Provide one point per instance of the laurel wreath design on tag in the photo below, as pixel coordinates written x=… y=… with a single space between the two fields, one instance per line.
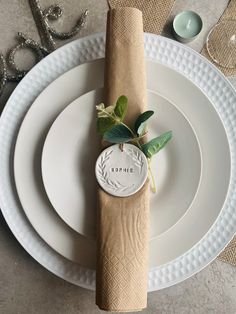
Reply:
x=137 y=158
x=103 y=176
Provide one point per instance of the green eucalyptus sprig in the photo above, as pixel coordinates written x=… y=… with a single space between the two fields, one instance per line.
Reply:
x=110 y=124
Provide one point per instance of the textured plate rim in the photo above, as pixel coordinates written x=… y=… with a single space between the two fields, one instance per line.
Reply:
x=165 y=51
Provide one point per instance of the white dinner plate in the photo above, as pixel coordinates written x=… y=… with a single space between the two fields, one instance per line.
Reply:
x=171 y=54
x=73 y=145
x=180 y=233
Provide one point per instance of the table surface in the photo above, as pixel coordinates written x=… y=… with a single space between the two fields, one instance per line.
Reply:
x=25 y=286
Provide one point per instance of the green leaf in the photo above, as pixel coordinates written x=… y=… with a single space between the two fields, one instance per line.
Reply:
x=118 y=134
x=141 y=122
x=104 y=124
x=156 y=144
x=121 y=107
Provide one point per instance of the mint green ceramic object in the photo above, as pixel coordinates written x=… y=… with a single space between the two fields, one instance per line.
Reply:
x=186 y=26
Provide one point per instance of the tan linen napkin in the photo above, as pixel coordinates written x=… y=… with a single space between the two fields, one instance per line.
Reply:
x=123 y=223
x=155 y=13
x=229 y=253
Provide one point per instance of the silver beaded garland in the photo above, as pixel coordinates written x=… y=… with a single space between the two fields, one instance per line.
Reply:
x=47 y=34
x=3 y=73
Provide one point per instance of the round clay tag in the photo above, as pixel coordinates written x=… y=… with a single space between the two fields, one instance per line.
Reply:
x=121 y=172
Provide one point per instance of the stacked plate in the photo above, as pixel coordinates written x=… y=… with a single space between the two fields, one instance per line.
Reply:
x=49 y=145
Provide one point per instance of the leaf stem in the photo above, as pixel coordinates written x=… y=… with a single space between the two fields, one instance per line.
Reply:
x=131 y=131
x=153 y=183
x=138 y=143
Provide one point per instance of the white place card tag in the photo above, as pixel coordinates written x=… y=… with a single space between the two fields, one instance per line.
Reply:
x=121 y=172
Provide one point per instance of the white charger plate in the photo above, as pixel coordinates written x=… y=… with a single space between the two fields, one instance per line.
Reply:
x=172 y=54
x=72 y=147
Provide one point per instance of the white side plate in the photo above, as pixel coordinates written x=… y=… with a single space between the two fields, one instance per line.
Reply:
x=72 y=147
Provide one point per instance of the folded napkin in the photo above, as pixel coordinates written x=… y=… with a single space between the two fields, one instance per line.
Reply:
x=155 y=12
x=123 y=223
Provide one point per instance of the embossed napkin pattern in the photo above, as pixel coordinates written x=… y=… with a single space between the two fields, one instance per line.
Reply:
x=123 y=223
x=155 y=13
